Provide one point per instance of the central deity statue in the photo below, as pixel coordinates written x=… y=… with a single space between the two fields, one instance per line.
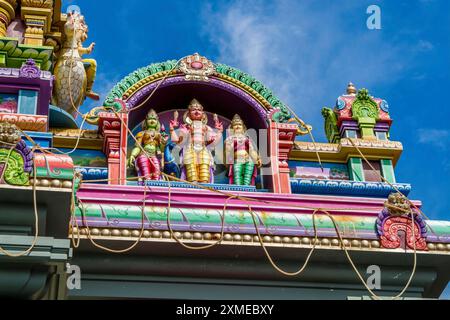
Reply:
x=195 y=136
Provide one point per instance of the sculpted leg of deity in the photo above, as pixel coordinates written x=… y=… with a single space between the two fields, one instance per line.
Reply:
x=204 y=166
x=190 y=164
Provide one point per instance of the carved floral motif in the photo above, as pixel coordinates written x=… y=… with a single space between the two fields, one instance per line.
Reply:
x=16 y=159
x=30 y=70
x=397 y=229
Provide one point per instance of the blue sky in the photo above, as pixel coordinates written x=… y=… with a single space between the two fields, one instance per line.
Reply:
x=306 y=52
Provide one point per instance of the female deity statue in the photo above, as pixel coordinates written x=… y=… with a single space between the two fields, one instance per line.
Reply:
x=196 y=136
x=241 y=154
x=148 y=163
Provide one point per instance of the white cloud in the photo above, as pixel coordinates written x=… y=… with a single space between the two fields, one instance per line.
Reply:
x=305 y=54
x=424 y=46
x=435 y=137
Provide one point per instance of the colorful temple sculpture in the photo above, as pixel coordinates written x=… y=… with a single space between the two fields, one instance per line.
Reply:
x=192 y=178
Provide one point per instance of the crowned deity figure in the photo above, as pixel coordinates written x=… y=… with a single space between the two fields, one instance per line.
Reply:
x=194 y=136
x=241 y=155
x=146 y=156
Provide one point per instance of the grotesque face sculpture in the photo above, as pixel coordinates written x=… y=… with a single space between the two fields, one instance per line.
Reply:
x=196 y=112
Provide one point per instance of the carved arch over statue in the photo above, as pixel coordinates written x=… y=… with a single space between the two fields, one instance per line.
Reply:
x=221 y=89
x=198 y=72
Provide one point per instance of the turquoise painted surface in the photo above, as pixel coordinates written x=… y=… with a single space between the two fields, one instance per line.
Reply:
x=28 y=100
x=354 y=225
x=111 y=212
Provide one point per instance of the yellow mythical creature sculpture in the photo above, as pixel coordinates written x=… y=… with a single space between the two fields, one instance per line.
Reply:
x=74 y=76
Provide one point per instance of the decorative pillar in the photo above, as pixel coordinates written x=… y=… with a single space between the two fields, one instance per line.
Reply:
x=281 y=142
x=7 y=13
x=387 y=169
x=367 y=125
x=37 y=16
x=356 y=169
x=114 y=130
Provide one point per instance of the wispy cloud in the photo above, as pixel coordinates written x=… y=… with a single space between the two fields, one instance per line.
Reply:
x=424 y=46
x=435 y=137
x=305 y=54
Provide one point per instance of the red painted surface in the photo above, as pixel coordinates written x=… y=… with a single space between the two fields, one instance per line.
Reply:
x=281 y=140
x=392 y=239
x=114 y=129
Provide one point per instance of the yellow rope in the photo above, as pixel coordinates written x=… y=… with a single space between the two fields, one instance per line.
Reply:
x=169 y=225
x=390 y=184
x=141 y=235
x=356 y=269
x=238 y=197
x=158 y=86
x=6 y=162
x=36 y=219
x=315 y=232
x=268 y=255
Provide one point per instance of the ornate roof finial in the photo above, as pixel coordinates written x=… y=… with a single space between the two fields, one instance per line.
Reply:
x=351 y=89
x=197 y=67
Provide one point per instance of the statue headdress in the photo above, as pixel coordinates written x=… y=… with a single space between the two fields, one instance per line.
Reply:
x=237 y=120
x=152 y=115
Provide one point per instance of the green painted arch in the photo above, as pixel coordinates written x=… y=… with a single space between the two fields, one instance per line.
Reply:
x=281 y=111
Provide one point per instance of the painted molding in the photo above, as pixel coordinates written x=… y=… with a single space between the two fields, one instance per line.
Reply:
x=328 y=152
x=347 y=188
x=26 y=122
x=92 y=173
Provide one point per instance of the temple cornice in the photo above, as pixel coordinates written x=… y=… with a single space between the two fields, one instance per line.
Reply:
x=343 y=151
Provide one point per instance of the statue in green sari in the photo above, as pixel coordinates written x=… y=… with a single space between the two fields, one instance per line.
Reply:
x=241 y=155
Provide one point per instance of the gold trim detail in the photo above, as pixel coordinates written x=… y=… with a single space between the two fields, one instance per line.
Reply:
x=241 y=239
x=373 y=149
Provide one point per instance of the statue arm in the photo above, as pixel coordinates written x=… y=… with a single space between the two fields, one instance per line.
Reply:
x=229 y=151
x=254 y=154
x=213 y=138
x=161 y=144
x=178 y=139
x=82 y=51
x=136 y=150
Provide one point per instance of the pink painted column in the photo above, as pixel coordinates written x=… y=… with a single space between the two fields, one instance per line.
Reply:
x=281 y=142
x=114 y=130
